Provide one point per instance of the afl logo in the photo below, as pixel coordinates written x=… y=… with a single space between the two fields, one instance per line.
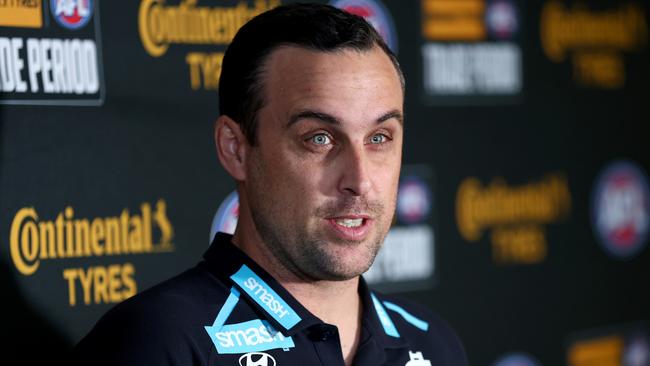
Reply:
x=225 y=220
x=621 y=209
x=72 y=14
x=413 y=200
x=516 y=359
x=637 y=351
x=502 y=19
x=256 y=359
x=376 y=14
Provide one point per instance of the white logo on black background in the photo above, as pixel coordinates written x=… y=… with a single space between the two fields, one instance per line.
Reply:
x=417 y=359
x=257 y=359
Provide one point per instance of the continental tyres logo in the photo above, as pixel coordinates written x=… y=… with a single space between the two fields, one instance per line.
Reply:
x=563 y=29
x=480 y=207
x=34 y=240
x=594 y=39
x=161 y=25
x=515 y=214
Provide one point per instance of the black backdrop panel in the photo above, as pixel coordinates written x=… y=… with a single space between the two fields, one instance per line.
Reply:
x=536 y=193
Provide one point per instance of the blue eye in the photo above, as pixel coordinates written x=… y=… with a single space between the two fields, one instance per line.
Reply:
x=378 y=139
x=321 y=139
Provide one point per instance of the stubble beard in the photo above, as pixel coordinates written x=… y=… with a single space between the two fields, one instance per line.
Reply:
x=308 y=253
x=308 y=256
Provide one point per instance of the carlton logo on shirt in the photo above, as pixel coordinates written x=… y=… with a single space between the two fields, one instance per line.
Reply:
x=256 y=359
x=416 y=359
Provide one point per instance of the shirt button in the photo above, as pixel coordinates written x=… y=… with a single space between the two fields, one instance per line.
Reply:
x=322 y=333
x=325 y=335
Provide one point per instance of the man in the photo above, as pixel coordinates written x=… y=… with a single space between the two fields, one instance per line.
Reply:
x=311 y=129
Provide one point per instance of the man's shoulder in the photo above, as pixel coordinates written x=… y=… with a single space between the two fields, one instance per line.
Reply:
x=422 y=327
x=169 y=317
x=181 y=298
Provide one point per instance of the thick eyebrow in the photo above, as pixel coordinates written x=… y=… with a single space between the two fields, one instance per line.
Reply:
x=324 y=117
x=392 y=114
x=328 y=118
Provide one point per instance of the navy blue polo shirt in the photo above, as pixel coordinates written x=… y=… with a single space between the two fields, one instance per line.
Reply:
x=229 y=311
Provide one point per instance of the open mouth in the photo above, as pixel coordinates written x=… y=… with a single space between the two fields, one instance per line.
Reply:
x=349 y=223
x=350 y=227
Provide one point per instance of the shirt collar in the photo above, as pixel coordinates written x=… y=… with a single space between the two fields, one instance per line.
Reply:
x=371 y=319
x=231 y=265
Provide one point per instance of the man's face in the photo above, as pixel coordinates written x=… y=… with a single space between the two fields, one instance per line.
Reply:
x=322 y=181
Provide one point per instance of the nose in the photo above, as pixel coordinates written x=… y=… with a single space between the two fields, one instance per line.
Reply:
x=355 y=175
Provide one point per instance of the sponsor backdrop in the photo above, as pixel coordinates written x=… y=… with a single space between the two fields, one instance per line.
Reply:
x=524 y=206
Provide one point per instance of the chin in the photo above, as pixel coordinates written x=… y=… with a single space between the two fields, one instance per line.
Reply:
x=337 y=270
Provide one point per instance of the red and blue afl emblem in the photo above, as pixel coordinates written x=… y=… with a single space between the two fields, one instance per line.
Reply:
x=227 y=216
x=516 y=359
x=376 y=14
x=413 y=200
x=502 y=19
x=72 y=14
x=621 y=209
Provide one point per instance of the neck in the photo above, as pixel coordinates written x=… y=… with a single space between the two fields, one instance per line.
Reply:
x=337 y=303
x=334 y=302
x=323 y=298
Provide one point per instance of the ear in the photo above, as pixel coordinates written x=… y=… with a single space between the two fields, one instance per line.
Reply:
x=232 y=147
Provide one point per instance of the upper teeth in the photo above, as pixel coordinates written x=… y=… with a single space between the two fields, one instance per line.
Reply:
x=350 y=222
